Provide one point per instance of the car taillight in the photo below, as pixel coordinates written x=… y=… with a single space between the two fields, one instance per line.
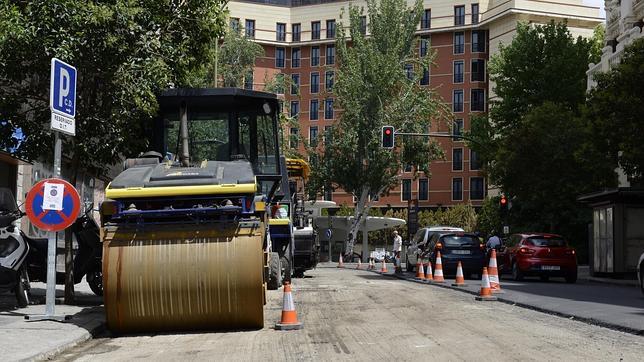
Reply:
x=439 y=245
x=526 y=251
x=482 y=246
x=570 y=252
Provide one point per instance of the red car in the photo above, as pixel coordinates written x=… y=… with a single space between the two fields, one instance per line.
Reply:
x=538 y=254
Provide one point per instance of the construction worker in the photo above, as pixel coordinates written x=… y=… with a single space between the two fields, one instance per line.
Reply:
x=397 y=249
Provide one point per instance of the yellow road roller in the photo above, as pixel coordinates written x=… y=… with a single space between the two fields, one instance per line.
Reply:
x=184 y=226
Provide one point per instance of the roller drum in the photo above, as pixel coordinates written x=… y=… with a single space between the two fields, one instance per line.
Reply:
x=183 y=277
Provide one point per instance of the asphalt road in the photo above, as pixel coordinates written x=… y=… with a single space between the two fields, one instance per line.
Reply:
x=616 y=306
x=359 y=316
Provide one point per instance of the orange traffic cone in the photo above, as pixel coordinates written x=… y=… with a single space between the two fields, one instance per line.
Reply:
x=429 y=275
x=485 y=293
x=289 y=315
x=438 y=272
x=420 y=271
x=495 y=283
x=460 y=279
x=384 y=266
x=359 y=266
x=340 y=262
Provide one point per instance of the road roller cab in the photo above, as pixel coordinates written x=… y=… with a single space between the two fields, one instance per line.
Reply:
x=185 y=227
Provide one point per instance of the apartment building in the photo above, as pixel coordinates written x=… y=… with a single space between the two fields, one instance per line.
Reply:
x=298 y=37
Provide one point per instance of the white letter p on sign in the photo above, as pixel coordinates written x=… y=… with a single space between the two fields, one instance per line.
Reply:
x=64 y=86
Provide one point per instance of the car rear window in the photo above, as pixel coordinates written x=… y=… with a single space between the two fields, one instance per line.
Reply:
x=548 y=241
x=454 y=240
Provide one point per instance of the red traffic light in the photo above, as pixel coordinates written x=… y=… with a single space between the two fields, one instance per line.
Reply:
x=388 y=137
x=504 y=200
x=387 y=131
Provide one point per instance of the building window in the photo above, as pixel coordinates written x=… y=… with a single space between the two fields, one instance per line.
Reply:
x=234 y=24
x=315 y=82
x=425 y=79
x=478 y=41
x=248 y=81
x=330 y=29
x=250 y=28
x=475 y=13
x=457 y=159
x=280 y=32
x=294 y=139
x=296 y=30
x=328 y=135
x=328 y=193
x=315 y=56
x=478 y=70
x=295 y=108
x=279 y=57
x=477 y=100
x=458 y=71
x=409 y=71
x=459 y=15
x=424 y=46
x=330 y=54
x=328 y=80
x=457 y=101
x=328 y=108
x=457 y=189
x=459 y=42
x=406 y=189
x=295 y=83
x=426 y=20
x=477 y=189
x=457 y=129
x=313 y=136
x=313 y=110
x=363 y=25
x=423 y=189
x=295 y=57
x=315 y=30
x=475 y=162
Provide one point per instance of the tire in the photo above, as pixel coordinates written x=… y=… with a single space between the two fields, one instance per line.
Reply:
x=544 y=278
x=410 y=267
x=572 y=278
x=95 y=280
x=23 y=294
x=516 y=272
x=274 y=271
x=285 y=264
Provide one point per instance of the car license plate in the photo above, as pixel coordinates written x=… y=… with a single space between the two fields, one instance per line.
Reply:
x=462 y=252
x=550 y=267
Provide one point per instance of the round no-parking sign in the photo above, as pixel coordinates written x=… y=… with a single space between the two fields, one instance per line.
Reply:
x=52 y=204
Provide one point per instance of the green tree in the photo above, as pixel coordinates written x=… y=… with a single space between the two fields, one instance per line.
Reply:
x=374 y=89
x=615 y=110
x=236 y=58
x=126 y=52
x=533 y=140
x=597 y=43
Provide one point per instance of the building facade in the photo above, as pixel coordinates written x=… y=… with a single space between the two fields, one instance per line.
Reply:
x=298 y=37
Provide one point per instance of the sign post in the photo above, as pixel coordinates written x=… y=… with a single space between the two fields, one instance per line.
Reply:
x=53 y=204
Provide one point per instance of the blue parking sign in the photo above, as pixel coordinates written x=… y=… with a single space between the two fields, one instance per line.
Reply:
x=62 y=95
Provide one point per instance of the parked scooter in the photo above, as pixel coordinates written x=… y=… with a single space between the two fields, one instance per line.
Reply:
x=87 y=258
x=14 y=248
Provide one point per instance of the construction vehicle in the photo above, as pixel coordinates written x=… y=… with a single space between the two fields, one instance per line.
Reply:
x=307 y=245
x=185 y=228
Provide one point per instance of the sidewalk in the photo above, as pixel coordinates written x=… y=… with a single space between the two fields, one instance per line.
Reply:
x=25 y=340
x=584 y=274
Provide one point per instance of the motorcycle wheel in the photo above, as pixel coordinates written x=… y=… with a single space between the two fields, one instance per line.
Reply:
x=95 y=281
x=23 y=294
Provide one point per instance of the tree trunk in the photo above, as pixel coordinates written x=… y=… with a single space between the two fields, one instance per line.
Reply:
x=357 y=219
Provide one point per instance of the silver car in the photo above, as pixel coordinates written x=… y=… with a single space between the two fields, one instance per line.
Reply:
x=418 y=244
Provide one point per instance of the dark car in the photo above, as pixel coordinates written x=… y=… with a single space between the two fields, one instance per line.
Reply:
x=538 y=254
x=457 y=246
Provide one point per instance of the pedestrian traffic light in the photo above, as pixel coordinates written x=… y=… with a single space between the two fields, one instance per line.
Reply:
x=503 y=203
x=388 y=137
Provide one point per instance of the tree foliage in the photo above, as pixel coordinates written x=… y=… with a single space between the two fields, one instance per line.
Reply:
x=373 y=89
x=236 y=58
x=125 y=51
x=534 y=140
x=615 y=112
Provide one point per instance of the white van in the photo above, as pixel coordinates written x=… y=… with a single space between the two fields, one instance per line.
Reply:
x=418 y=244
